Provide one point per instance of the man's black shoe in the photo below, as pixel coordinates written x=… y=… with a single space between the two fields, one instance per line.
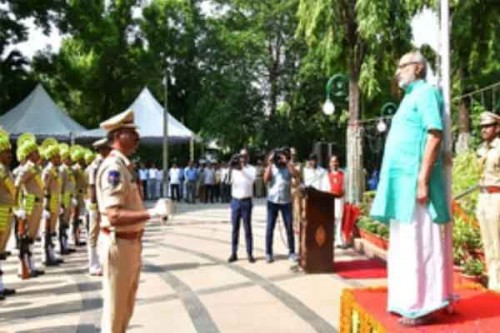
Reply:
x=251 y=259
x=8 y=292
x=3 y=256
x=39 y=272
x=232 y=258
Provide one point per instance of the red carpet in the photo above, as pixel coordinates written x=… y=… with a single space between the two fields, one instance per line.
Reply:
x=476 y=311
x=361 y=269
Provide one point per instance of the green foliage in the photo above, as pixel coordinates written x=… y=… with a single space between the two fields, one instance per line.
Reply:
x=466 y=172
x=473 y=267
x=375 y=227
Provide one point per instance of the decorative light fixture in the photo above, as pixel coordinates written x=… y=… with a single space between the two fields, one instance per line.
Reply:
x=381 y=126
x=328 y=107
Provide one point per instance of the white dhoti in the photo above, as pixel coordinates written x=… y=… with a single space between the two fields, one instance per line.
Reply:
x=339 y=214
x=417 y=274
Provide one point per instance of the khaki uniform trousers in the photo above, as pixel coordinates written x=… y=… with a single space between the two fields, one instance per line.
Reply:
x=5 y=234
x=488 y=215
x=34 y=220
x=297 y=204
x=94 y=226
x=121 y=269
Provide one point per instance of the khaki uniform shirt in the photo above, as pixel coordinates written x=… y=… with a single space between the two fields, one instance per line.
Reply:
x=68 y=184
x=52 y=186
x=91 y=170
x=490 y=159
x=29 y=180
x=80 y=179
x=116 y=186
x=7 y=187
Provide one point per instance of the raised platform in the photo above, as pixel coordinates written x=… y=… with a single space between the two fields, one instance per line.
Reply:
x=368 y=249
x=364 y=310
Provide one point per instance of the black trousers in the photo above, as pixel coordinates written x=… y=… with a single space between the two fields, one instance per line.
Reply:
x=175 y=192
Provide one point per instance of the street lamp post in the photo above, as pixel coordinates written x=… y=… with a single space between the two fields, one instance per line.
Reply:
x=165 y=134
x=337 y=91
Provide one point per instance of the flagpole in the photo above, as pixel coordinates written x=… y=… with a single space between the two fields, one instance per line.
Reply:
x=445 y=86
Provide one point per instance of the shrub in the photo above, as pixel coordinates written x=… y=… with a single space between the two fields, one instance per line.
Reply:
x=473 y=267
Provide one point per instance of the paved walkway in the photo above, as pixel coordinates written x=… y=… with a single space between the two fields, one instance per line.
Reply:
x=187 y=285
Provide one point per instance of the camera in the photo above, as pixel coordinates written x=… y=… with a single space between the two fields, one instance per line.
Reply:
x=281 y=156
x=235 y=161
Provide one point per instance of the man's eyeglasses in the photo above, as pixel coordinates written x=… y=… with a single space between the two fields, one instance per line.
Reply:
x=406 y=64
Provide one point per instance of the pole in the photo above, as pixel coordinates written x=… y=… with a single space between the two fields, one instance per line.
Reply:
x=191 y=149
x=165 y=136
x=445 y=85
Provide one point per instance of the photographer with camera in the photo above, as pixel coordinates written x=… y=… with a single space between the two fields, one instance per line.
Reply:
x=241 y=178
x=278 y=176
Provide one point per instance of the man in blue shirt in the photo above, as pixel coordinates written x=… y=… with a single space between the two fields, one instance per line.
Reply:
x=191 y=176
x=278 y=176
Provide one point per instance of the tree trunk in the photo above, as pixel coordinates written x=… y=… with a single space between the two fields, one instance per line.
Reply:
x=355 y=177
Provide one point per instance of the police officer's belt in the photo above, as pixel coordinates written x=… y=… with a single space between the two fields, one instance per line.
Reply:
x=490 y=189
x=130 y=235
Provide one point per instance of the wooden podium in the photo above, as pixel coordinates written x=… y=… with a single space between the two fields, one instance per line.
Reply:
x=316 y=232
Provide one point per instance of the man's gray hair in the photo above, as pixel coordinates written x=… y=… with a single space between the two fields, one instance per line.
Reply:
x=419 y=58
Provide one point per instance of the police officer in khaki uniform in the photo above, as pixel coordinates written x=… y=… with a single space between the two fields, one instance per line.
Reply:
x=30 y=185
x=7 y=200
x=94 y=219
x=488 y=205
x=52 y=203
x=68 y=187
x=78 y=157
x=297 y=197
x=122 y=223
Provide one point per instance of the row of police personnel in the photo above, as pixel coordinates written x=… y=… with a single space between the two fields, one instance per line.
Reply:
x=51 y=185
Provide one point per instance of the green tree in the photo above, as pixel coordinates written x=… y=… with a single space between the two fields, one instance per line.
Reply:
x=366 y=37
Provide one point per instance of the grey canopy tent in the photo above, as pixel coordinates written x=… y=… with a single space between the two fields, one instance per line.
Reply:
x=149 y=117
x=40 y=115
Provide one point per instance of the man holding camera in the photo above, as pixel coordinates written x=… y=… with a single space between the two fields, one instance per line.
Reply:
x=241 y=178
x=278 y=176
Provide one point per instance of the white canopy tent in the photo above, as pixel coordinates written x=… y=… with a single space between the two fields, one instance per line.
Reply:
x=40 y=115
x=149 y=117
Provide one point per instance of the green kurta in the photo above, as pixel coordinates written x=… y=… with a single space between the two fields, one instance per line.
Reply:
x=420 y=111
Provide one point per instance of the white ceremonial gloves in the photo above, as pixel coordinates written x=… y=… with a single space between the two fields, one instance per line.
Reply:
x=20 y=214
x=46 y=214
x=162 y=209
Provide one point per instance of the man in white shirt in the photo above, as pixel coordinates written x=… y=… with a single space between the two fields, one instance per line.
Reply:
x=242 y=177
x=159 y=183
x=315 y=176
x=209 y=182
x=143 y=177
x=175 y=181
x=152 y=182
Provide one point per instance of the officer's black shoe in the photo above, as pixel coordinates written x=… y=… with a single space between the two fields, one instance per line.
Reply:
x=232 y=258
x=71 y=250
x=3 y=256
x=2 y=297
x=251 y=259
x=59 y=260
x=51 y=263
x=39 y=272
x=7 y=253
x=8 y=292
x=65 y=252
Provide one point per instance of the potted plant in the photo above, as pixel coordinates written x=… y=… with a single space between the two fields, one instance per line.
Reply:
x=472 y=271
x=374 y=232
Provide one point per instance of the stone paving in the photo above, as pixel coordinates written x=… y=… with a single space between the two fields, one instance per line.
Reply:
x=187 y=285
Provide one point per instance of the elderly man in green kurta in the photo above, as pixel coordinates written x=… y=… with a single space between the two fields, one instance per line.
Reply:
x=412 y=198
